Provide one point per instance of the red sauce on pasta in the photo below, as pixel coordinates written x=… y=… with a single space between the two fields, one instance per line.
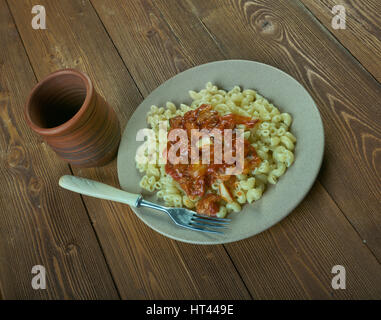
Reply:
x=196 y=178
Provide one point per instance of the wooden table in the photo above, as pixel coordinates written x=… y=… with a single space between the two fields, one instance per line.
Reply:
x=95 y=249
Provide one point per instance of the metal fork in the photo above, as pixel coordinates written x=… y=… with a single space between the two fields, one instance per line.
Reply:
x=180 y=216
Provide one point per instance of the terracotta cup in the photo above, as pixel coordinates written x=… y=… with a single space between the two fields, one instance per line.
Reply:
x=74 y=120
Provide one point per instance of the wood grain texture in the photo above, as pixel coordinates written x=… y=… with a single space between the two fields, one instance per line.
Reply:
x=184 y=32
x=143 y=263
x=39 y=224
x=288 y=39
x=362 y=36
x=148 y=48
x=156 y=40
x=294 y=259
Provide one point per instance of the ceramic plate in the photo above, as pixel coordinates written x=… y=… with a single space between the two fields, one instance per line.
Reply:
x=278 y=200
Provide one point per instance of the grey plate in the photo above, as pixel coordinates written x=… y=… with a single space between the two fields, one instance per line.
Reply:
x=278 y=200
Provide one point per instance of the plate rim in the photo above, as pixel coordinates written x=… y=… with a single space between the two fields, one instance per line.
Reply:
x=243 y=236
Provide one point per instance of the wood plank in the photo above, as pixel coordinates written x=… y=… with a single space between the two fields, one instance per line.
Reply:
x=39 y=225
x=179 y=28
x=212 y=16
x=154 y=43
x=294 y=259
x=362 y=36
x=288 y=39
x=144 y=264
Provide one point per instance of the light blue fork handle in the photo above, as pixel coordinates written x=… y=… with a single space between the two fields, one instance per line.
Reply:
x=98 y=190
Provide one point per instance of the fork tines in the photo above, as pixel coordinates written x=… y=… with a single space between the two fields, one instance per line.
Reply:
x=208 y=224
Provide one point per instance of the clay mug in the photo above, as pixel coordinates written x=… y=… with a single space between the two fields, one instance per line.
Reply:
x=74 y=120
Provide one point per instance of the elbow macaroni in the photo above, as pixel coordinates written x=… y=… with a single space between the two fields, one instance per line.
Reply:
x=272 y=140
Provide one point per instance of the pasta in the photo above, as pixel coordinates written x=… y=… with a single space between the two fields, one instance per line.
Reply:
x=271 y=137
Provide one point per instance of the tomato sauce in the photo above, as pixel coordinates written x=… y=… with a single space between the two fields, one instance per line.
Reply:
x=196 y=178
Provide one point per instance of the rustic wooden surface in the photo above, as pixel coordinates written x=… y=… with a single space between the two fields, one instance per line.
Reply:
x=95 y=249
x=363 y=37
